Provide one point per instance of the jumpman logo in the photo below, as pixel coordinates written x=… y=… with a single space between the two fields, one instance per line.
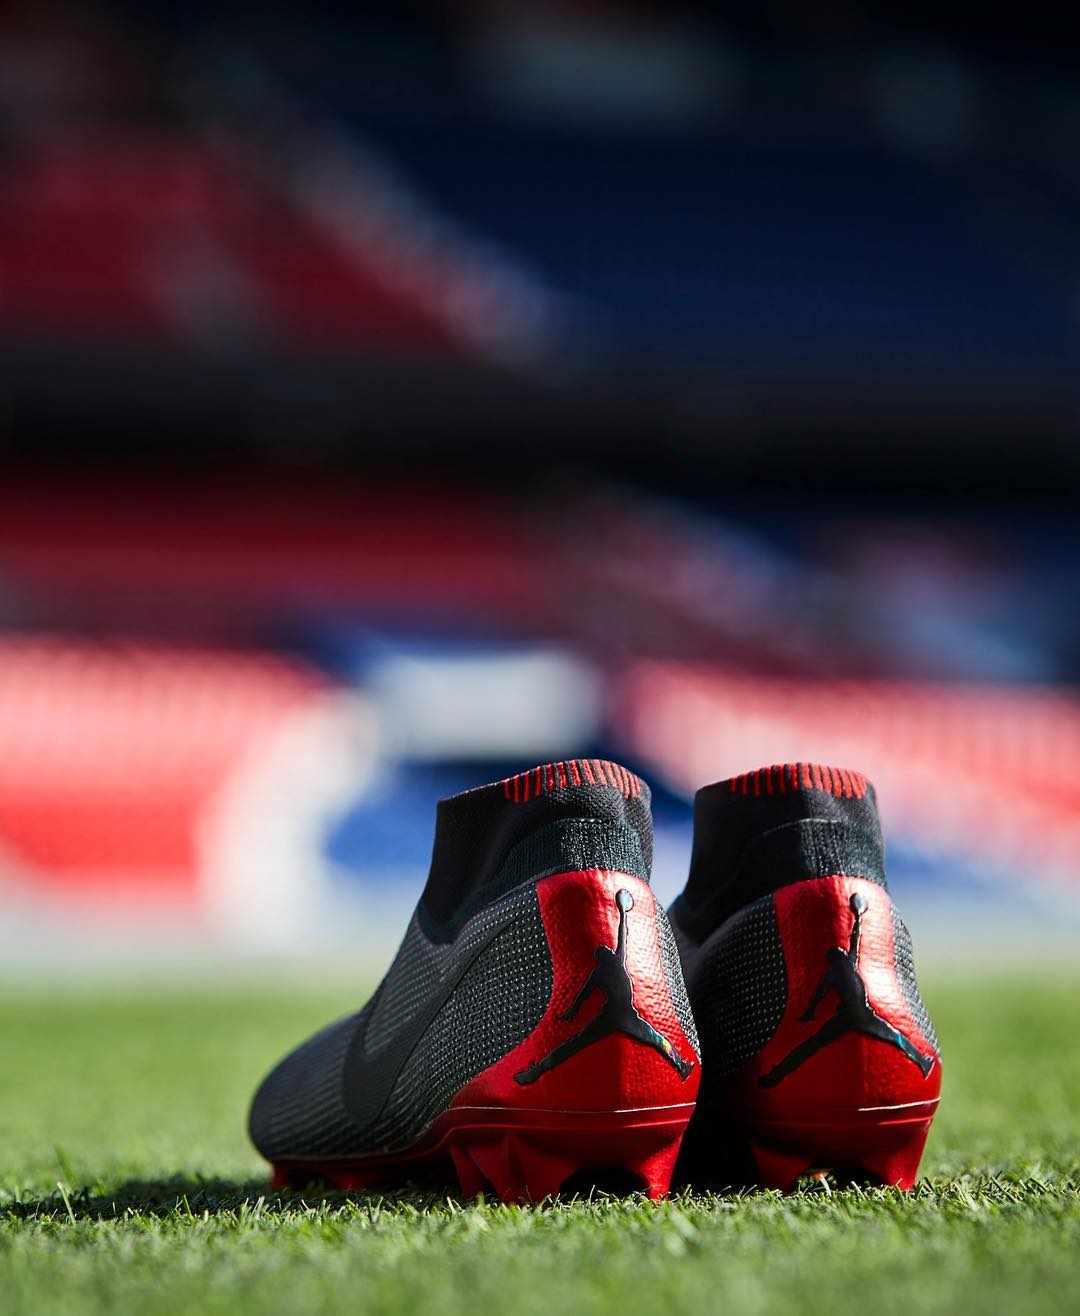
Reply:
x=854 y=1013
x=617 y=1014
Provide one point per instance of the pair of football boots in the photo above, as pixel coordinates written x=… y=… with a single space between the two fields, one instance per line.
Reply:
x=539 y=1027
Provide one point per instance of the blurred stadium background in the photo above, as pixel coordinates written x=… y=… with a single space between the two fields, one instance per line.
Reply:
x=393 y=397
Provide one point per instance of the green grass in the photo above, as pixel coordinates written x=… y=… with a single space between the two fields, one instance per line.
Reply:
x=127 y=1185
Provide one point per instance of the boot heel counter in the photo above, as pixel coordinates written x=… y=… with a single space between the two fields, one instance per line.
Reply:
x=617 y=1034
x=820 y=1051
x=854 y=1032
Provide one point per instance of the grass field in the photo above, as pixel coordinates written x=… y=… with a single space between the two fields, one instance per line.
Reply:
x=127 y=1185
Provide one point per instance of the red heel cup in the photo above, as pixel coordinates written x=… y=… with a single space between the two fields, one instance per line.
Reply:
x=849 y=1081
x=608 y=1078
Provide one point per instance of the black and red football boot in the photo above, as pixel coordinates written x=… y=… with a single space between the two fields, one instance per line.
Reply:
x=818 y=1050
x=533 y=1027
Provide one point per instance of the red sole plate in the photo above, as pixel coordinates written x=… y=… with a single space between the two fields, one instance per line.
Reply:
x=877 y=1146
x=518 y=1155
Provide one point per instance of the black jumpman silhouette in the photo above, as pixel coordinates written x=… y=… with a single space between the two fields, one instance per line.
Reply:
x=617 y=1015
x=854 y=1013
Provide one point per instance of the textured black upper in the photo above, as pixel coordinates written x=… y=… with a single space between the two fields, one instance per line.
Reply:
x=473 y=976
x=763 y=830
x=373 y=1082
x=739 y=990
x=477 y=832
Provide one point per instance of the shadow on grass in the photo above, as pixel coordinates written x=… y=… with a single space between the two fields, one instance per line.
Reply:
x=196 y=1197
x=181 y=1197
